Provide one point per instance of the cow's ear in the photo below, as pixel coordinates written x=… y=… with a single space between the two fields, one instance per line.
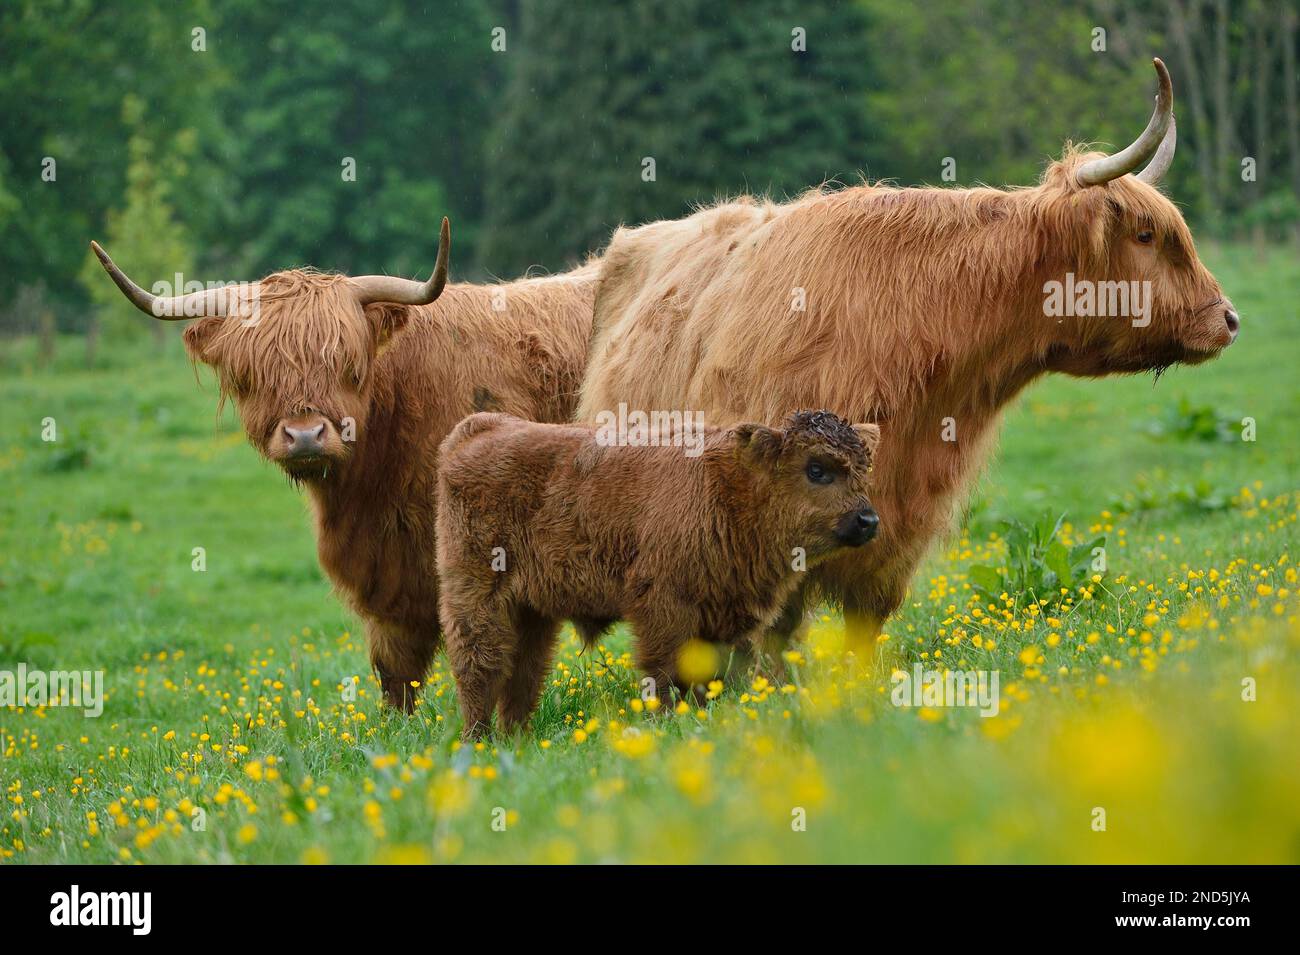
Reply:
x=386 y=320
x=1078 y=223
x=199 y=337
x=869 y=435
x=757 y=441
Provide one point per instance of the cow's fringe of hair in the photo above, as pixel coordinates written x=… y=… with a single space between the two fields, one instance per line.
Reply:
x=308 y=333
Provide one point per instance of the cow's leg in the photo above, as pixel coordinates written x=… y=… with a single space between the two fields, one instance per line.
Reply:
x=533 y=656
x=868 y=599
x=863 y=625
x=481 y=645
x=401 y=655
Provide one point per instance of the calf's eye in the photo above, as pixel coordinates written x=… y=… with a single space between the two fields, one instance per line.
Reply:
x=818 y=474
x=1145 y=236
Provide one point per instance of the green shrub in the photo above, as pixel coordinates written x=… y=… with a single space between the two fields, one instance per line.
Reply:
x=1038 y=564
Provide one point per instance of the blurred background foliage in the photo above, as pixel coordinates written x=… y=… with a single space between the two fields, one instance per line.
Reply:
x=217 y=138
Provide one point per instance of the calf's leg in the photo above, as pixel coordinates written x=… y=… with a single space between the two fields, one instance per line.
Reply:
x=662 y=627
x=767 y=646
x=481 y=645
x=533 y=655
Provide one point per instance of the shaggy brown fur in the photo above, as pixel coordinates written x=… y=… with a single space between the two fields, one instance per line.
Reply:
x=922 y=305
x=540 y=523
x=387 y=383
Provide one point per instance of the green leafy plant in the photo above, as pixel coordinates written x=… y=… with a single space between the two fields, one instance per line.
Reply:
x=1188 y=422
x=1194 y=496
x=1038 y=563
x=75 y=452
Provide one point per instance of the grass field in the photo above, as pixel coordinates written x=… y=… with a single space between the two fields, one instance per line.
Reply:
x=227 y=735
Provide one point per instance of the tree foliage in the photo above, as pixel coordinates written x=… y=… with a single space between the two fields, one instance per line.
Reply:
x=399 y=90
x=534 y=126
x=68 y=68
x=144 y=234
x=719 y=103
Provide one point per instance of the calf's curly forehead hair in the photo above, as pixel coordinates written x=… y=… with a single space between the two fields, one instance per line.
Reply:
x=827 y=429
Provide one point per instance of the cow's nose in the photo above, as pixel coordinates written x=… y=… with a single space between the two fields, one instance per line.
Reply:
x=868 y=522
x=1233 y=321
x=305 y=442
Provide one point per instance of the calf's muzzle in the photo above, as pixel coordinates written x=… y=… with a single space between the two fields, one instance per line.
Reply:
x=857 y=527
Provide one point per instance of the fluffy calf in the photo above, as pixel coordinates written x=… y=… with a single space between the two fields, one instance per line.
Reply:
x=540 y=523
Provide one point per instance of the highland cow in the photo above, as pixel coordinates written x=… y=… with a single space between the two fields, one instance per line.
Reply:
x=542 y=523
x=350 y=384
x=926 y=310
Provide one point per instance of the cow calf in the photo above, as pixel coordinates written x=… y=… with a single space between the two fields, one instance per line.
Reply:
x=539 y=523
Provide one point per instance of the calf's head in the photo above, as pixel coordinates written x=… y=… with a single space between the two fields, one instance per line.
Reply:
x=813 y=477
x=295 y=351
x=1123 y=288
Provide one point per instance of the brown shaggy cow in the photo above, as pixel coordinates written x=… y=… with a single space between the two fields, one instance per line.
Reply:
x=350 y=384
x=541 y=523
x=926 y=310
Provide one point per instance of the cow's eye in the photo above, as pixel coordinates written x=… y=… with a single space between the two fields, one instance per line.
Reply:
x=818 y=474
x=1145 y=236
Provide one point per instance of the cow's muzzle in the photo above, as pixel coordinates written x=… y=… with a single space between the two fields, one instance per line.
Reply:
x=308 y=442
x=305 y=443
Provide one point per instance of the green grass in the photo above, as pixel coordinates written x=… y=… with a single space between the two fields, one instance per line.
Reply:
x=225 y=686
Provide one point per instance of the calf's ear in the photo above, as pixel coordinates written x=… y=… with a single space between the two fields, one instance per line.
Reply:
x=869 y=435
x=757 y=440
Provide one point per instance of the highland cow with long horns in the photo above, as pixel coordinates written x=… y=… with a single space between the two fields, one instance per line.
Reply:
x=926 y=310
x=350 y=384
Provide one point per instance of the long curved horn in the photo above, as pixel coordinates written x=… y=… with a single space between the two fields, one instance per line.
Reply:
x=1141 y=149
x=168 y=308
x=1164 y=157
x=386 y=288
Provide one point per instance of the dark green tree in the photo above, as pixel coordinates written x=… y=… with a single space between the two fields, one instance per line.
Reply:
x=999 y=88
x=352 y=130
x=68 y=67
x=722 y=100
x=142 y=231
